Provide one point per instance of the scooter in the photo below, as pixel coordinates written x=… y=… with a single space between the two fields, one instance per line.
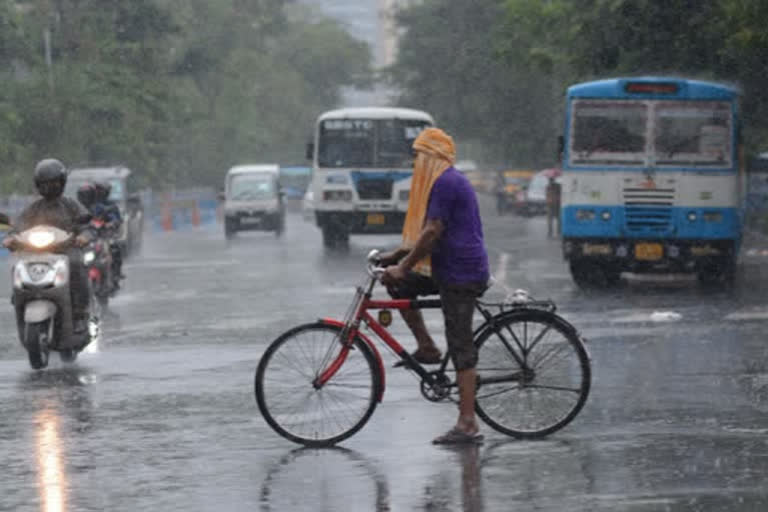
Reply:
x=98 y=260
x=41 y=296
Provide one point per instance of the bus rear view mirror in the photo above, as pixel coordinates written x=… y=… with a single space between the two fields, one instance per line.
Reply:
x=310 y=150
x=560 y=147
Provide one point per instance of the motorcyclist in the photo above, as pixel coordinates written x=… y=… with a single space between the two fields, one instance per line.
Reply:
x=66 y=214
x=108 y=210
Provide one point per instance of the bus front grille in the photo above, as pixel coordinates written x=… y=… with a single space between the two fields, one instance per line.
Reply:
x=374 y=188
x=648 y=211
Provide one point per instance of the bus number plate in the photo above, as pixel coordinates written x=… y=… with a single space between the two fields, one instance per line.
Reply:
x=649 y=252
x=376 y=219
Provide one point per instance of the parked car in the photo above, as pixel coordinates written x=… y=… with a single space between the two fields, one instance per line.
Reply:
x=536 y=195
x=253 y=200
x=124 y=192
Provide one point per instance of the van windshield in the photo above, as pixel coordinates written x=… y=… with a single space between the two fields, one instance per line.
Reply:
x=75 y=182
x=251 y=186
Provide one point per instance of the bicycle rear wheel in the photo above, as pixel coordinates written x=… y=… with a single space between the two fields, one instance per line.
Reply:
x=533 y=374
x=291 y=404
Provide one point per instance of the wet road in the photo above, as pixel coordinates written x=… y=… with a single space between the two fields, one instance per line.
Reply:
x=161 y=415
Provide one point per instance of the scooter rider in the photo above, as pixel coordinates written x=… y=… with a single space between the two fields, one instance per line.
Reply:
x=108 y=210
x=66 y=214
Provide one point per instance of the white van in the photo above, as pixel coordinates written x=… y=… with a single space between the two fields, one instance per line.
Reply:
x=253 y=199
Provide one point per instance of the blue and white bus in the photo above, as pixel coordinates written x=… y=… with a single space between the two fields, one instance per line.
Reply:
x=652 y=178
x=362 y=163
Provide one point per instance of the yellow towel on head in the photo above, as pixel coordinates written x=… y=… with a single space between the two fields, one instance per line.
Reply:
x=436 y=153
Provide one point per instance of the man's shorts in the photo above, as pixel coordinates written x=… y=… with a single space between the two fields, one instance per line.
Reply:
x=458 y=309
x=458 y=302
x=414 y=285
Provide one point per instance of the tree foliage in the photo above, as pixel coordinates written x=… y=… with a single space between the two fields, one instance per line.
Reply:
x=177 y=89
x=496 y=71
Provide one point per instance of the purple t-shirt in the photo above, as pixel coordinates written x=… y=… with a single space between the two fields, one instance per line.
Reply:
x=459 y=256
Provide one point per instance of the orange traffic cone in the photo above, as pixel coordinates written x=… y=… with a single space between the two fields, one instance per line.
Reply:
x=167 y=217
x=195 y=215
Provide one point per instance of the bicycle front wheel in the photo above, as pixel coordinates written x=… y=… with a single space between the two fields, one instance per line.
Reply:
x=288 y=399
x=533 y=374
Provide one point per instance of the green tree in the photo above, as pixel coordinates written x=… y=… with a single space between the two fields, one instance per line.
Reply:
x=453 y=63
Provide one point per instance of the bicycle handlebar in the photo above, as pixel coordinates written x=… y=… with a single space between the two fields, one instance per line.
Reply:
x=373 y=267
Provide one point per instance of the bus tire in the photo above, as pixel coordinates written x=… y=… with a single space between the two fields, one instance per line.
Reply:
x=591 y=274
x=335 y=237
x=717 y=273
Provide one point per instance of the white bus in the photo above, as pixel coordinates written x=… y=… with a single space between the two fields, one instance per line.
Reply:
x=362 y=163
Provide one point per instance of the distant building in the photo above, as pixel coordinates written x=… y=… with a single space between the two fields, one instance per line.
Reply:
x=371 y=21
x=388 y=35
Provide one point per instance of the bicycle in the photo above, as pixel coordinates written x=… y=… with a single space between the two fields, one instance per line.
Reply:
x=317 y=384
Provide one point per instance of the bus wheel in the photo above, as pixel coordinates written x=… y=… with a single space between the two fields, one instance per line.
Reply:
x=335 y=237
x=588 y=274
x=717 y=273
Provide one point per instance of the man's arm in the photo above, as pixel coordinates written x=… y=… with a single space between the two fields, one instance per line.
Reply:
x=393 y=257
x=433 y=230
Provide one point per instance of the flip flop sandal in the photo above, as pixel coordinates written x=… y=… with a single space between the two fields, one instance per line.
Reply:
x=456 y=436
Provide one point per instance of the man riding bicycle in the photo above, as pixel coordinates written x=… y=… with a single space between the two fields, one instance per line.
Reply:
x=443 y=253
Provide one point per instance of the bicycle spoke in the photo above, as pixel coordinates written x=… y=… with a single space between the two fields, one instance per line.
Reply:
x=554 y=388
x=292 y=401
x=551 y=386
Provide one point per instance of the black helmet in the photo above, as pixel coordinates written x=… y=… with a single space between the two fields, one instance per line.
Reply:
x=86 y=194
x=103 y=189
x=50 y=178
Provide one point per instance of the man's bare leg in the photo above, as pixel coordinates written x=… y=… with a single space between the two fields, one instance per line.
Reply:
x=467 y=381
x=415 y=321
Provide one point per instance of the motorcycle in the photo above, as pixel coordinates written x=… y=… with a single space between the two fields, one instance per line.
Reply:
x=97 y=257
x=41 y=296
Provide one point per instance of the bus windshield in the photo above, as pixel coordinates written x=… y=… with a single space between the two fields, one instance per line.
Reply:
x=682 y=133
x=608 y=132
x=692 y=133
x=372 y=143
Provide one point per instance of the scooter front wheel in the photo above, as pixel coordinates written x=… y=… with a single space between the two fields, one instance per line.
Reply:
x=36 y=342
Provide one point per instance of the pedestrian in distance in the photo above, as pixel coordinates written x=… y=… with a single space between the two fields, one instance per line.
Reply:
x=554 y=190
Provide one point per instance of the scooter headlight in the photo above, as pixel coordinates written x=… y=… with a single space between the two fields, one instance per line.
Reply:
x=88 y=257
x=41 y=239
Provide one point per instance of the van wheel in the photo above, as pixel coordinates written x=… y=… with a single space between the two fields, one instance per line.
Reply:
x=36 y=342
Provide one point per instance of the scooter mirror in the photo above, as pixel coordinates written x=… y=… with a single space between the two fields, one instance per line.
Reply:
x=4 y=219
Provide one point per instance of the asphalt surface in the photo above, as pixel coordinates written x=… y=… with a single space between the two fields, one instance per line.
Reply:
x=160 y=415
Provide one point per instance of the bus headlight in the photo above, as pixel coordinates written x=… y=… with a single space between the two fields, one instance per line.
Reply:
x=585 y=214
x=337 y=179
x=405 y=195
x=88 y=257
x=692 y=216
x=337 y=195
x=713 y=216
x=606 y=215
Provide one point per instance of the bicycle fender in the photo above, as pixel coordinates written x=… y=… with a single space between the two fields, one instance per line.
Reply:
x=562 y=322
x=372 y=346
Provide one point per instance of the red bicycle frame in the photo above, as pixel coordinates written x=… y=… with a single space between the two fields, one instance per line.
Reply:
x=362 y=315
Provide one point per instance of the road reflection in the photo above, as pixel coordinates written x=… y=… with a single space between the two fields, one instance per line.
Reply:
x=326 y=480
x=51 y=476
x=63 y=407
